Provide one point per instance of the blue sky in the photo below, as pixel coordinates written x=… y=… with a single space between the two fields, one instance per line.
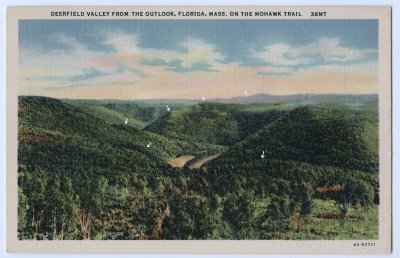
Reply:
x=139 y=54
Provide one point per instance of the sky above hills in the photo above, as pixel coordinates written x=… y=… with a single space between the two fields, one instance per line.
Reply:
x=145 y=59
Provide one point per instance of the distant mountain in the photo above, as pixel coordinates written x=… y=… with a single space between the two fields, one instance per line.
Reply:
x=170 y=101
x=300 y=99
x=324 y=135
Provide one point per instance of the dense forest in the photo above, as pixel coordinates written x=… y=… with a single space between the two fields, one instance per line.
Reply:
x=270 y=170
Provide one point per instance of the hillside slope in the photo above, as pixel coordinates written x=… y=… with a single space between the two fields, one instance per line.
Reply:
x=58 y=136
x=107 y=114
x=215 y=123
x=139 y=114
x=324 y=135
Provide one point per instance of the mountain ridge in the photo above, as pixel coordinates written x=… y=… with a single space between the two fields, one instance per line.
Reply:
x=334 y=136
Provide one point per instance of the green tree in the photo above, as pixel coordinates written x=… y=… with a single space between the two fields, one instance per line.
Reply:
x=301 y=205
x=354 y=192
x=276 y=217
x=33 y=182
x=23 y=208
x=60 y=198
x=239 y=211
x=89 y=196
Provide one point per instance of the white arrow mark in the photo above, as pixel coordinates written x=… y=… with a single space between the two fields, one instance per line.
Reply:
x=262 y=155
x=168 y=108
x=148 y=145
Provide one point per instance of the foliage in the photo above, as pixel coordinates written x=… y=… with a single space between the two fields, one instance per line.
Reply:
x=355 y=192
x=81 y=176
x=326 y=135
x=276 y=218
x=214 y=123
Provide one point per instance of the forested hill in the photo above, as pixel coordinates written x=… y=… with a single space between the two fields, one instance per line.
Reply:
x=324 y=135
x=58 y=136
x=82 y=176
x=216 y=123
x=139 y=113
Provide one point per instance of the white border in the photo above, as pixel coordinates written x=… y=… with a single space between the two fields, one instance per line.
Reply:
x=396 y=93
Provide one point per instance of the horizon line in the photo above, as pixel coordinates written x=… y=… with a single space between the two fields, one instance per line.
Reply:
x=207 y=99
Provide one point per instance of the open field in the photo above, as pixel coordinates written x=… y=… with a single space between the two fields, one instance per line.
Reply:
x=179 y=162
x=201 y=162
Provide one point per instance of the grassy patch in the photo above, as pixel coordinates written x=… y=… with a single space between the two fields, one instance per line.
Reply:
x=360 y=223
x=180 y=161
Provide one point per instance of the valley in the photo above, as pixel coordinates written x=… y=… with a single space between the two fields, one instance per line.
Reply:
x=184 y=169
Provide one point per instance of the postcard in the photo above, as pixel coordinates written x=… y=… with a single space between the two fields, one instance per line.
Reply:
x=170 y=129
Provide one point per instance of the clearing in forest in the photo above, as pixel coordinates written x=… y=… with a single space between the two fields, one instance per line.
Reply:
x=201 y=162
x=179 y=162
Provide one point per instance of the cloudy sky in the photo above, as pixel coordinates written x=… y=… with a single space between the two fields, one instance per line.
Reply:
x=144 y=59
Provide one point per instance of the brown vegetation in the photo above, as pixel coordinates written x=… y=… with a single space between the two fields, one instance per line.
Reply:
x=326 y=192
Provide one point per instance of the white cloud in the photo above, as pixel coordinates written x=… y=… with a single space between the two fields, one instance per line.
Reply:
x=198 y=51
x=55 y=68
x=325 y=49
x=59 y=62
x=127 y=64
x=123 y=43
x=129 y=53
x=281 y=54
